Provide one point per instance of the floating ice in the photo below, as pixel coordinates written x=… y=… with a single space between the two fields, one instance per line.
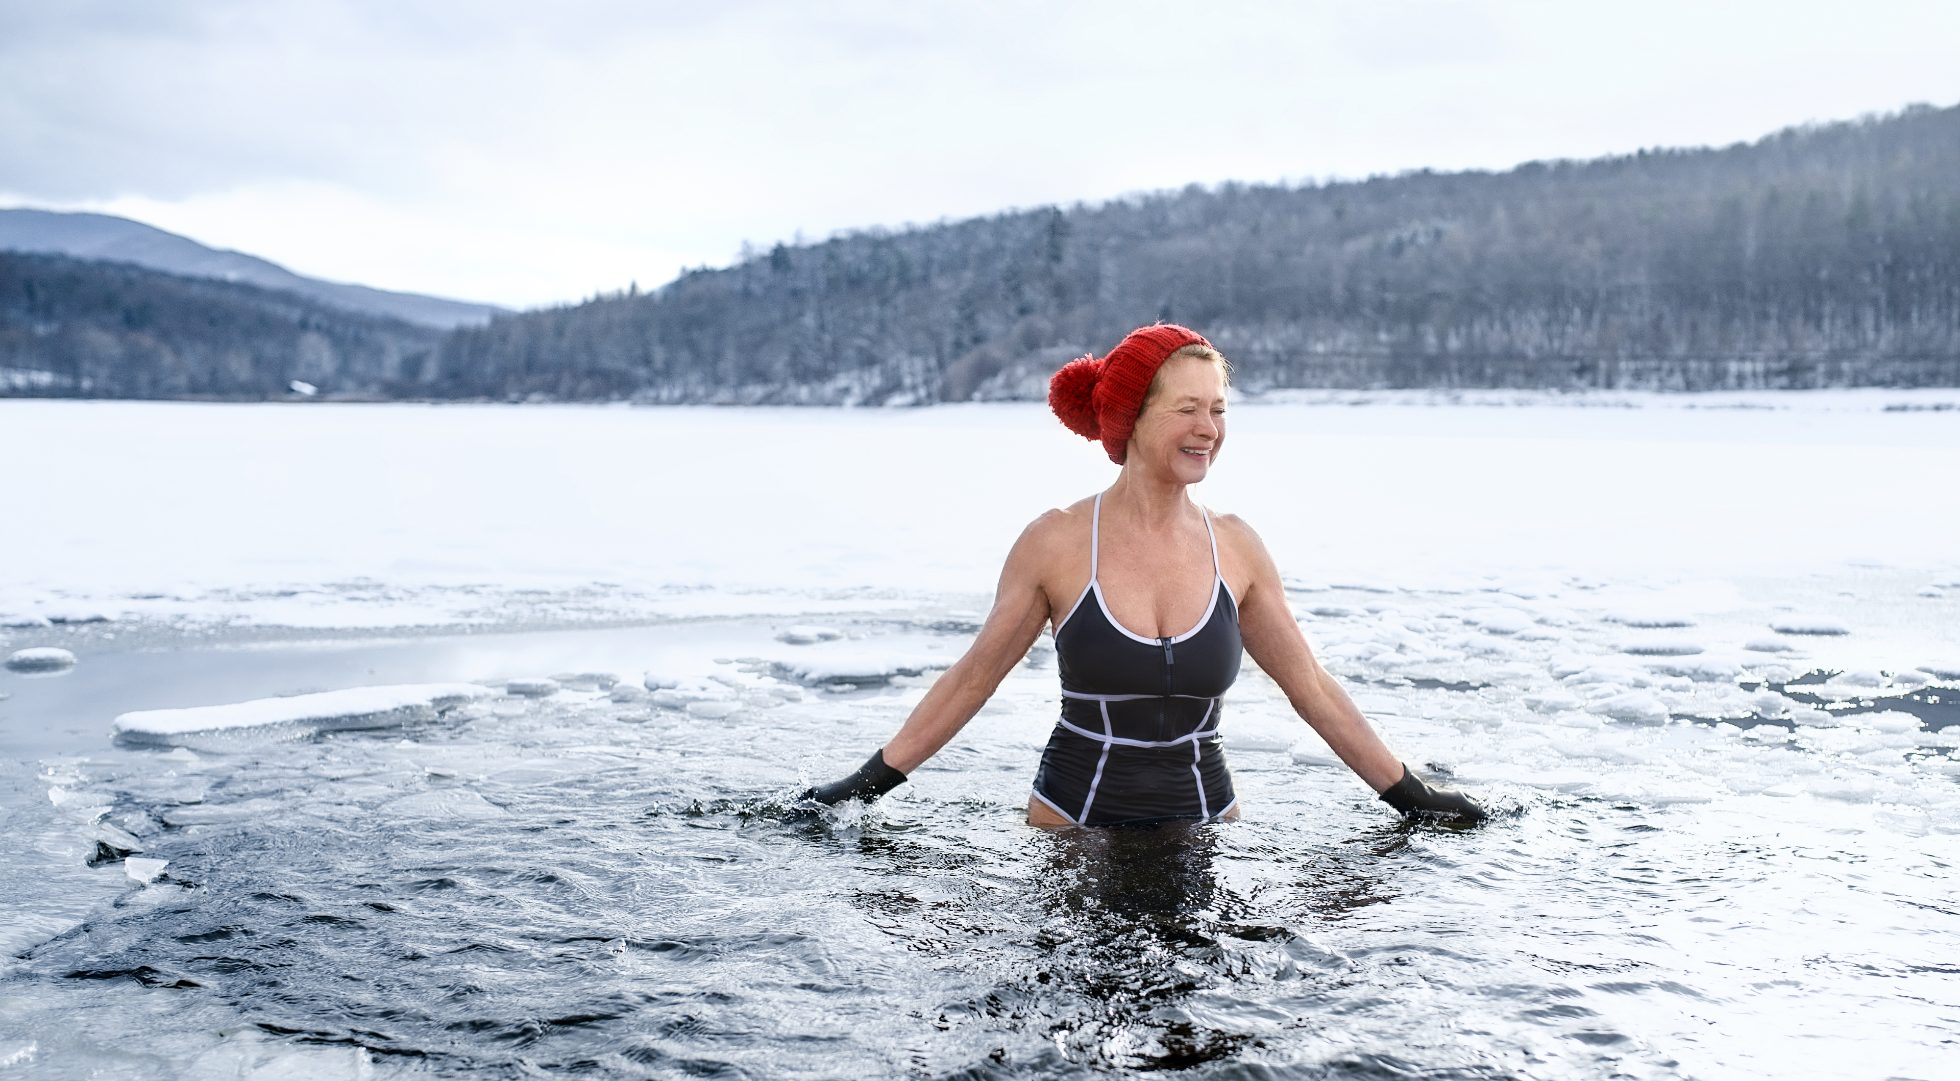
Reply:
x=1552 y=701
x=808 y=634
x=448 y=804
x=1637 y=707
x=1892 y=722
x=69 y=614
x=1499 y=620
x=1661 y=647
x=1809 y=625
x=666 y=692
x=143 y=870
x=1654 y=620
x=538 y=687
x=40 y=659
x=863 y=663
x=1312 y=752
x=1851 y=685
x=1768 y=645
x=116 y=840
x=1943 y=669
x=326 y=711
x=1701 y=669
x=586 y=681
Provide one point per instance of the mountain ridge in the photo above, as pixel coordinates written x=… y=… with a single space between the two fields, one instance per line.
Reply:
x=109 y=238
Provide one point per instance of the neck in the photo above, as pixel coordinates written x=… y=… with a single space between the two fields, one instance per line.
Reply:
x=1150 y=502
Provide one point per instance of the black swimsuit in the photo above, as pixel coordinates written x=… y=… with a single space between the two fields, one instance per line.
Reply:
x=1138 y=737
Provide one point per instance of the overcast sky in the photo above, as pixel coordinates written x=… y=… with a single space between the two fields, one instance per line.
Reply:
x=527 y=153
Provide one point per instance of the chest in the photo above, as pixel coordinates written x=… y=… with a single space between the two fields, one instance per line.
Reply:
x=1151 y=586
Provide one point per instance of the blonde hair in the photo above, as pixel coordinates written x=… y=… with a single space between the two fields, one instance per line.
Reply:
x=1201 y=352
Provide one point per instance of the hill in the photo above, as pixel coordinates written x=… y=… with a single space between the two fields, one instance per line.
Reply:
x=74 y=327
x=1821 y=255
x=112 y=239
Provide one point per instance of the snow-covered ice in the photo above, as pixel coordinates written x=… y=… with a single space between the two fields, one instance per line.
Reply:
x=804 y=634
x=40 y=659
x=865 y=663
x=324 y=711
x=1817 y=626
x=287 y=536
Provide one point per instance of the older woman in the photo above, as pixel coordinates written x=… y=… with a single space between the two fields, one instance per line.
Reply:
x=1152 y=600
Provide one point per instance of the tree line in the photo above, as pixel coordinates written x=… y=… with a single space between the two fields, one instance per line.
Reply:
x=84 y=328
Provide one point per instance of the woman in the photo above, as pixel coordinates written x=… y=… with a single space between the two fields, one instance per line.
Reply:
x=1152 y=601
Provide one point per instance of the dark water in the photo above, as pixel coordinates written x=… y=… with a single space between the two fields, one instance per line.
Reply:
x=572 y=886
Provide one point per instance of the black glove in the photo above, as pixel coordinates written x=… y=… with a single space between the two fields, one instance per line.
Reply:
x=1414 y=796
x=873 y=779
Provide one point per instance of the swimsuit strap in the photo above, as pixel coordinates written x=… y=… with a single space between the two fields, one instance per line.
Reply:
x=1213 y=538
x=1095 y=533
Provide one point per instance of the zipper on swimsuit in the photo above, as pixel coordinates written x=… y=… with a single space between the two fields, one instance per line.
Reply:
x=1164 y=703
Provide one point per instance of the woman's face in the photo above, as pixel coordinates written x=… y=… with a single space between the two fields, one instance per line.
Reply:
x=1182 y=427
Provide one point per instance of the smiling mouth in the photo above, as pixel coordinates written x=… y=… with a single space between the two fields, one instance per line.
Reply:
x=1206 y=453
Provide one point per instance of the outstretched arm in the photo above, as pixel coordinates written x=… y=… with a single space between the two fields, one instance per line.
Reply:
x=1020 y=609
x=1273 y=639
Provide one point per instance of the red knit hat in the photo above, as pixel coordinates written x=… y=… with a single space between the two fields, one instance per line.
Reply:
x=1100 y=399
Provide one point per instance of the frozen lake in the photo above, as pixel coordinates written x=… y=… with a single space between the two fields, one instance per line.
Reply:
x=1703 y=653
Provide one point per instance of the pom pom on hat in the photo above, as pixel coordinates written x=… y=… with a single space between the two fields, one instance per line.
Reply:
x=1071 y=394
x=1100 y=399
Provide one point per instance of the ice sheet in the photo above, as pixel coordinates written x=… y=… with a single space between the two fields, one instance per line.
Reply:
x=353 y=708
x=805 y=513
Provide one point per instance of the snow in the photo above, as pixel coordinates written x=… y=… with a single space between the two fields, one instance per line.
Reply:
x=1649 y=619
x=1499 y=620
x=1819 y=626
x=40 y=659
x=872 y=662
x=805 y=634
x=1638 y=707
x=325 y=711
x=286 y=535
x=1662 y=647
x=143 y=870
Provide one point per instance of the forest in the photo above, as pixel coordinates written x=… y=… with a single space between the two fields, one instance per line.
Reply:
x=84 y=328
x=1824 y=255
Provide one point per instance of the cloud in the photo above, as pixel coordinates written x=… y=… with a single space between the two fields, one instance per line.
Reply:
x=567 y=140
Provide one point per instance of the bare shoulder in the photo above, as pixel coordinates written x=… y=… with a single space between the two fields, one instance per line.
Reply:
x=1237 y=536
x=1054 y=532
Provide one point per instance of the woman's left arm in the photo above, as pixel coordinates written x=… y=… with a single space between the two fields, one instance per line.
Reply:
x=1274 y=641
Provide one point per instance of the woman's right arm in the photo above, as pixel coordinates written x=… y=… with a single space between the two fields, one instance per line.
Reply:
x=1019 y=612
